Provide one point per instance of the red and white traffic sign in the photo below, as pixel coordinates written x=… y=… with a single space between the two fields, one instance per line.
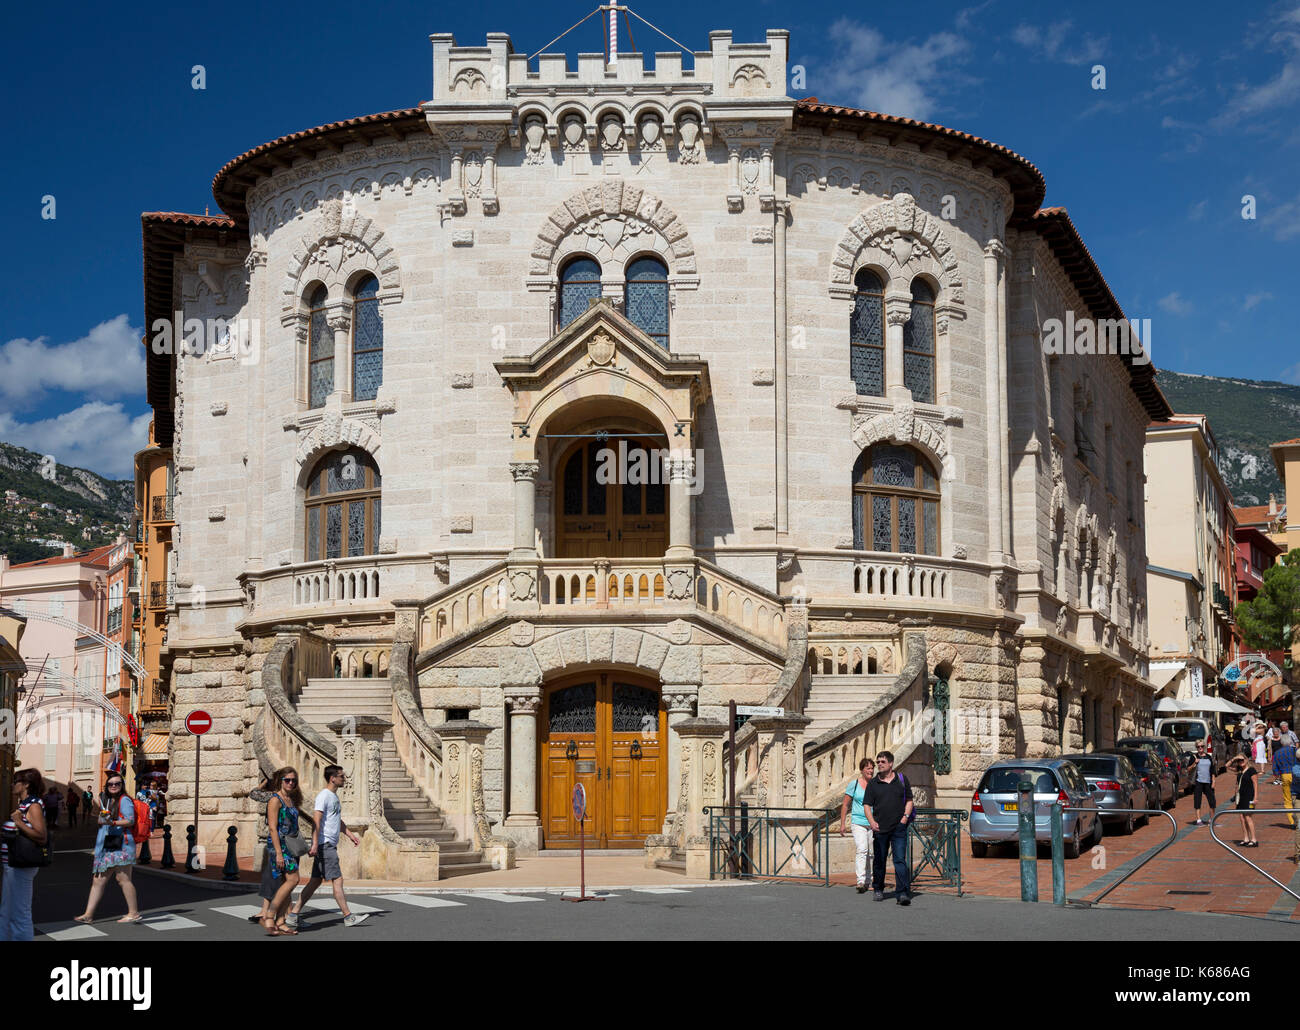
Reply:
x=198 y=722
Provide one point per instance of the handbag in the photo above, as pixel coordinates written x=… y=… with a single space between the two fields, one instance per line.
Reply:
x=296 y=845
x=25 y=853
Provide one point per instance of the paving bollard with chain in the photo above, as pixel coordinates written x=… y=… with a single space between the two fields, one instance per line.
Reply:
x=1028 y=843
x=230 y=871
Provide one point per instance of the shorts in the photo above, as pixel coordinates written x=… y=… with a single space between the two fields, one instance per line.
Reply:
x=1203 y=790
x=325 y=866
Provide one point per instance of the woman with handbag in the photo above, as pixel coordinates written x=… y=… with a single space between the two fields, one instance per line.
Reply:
x=114 y=850
x=23 y=833
x=285 y=847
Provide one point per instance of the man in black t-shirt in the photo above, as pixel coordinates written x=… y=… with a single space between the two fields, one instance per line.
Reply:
x=889 y=806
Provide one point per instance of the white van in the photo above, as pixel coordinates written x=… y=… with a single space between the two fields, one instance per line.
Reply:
x=1189 y=730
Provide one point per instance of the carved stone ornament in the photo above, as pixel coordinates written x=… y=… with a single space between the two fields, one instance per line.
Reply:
x=679 y=631
x=678 y=584
x=523 y=586
x=534 y=140
x=522 y=634
x=601 y=348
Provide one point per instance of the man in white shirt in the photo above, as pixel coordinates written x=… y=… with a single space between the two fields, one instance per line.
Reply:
x=325 y=849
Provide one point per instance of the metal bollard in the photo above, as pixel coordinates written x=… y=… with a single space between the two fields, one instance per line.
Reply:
x=145 y=856
x=191 y=845
x=230 y=871
x=1028 y=842
x=168 y=860
x=1058 y=854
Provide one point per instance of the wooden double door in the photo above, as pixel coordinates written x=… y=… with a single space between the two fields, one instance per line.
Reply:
x=613 y=500
x=607 y=731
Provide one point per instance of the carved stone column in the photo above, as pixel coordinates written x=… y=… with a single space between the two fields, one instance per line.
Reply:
x=354 y=732
x=680 y=701
x=340 y=322
x=780 y=749
x=681 y=475
x=898 y=310
x=525 y=475
x=994 y=384
x=701 y=777
x=522 y=823
x=460 y=739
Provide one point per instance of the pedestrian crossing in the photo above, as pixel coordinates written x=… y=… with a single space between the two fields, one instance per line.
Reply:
x=165 y=921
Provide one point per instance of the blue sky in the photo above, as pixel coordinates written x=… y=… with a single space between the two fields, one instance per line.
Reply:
x=1200 y=109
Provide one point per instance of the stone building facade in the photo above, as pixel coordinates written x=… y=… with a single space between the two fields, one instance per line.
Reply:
x=871 y=493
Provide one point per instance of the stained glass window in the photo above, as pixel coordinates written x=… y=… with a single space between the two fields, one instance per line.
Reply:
x=573 y=709
x=636 y=709
x=367 y=341
x=320 y=350
x=867 y=335
x=579 y=285
x=894 y=488
x=645 y=298
x=918 y=344
x=342 y=513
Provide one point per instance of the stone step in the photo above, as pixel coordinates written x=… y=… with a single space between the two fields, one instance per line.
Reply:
x=445 y=870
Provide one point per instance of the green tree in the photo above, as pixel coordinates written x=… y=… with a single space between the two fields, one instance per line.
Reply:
x=1268 y=621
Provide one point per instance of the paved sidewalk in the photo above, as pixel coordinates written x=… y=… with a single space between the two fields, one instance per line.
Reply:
x=1214 y=880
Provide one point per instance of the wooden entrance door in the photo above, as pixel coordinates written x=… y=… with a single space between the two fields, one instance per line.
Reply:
x=613 y=501
x=608 y=732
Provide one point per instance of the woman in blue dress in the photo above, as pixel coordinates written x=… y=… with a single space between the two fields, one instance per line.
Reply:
x=114 y=850
x=284 y=847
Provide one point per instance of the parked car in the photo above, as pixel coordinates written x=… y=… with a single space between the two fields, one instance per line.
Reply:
x=1186 y=731
x=995 y=816
x=1150 y=765
x=1118 y=785
x=1172 y=755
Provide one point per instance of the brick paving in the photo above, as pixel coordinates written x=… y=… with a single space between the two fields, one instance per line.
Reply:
x=1194 y=862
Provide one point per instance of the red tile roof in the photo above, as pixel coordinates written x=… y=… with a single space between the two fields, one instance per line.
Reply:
x=1253 y=514
x=1286 y=443
x=96 y=556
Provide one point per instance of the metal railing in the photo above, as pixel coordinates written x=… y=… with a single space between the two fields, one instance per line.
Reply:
x=161 y=508
x=162 y=593
x=1058 y=849
x=769 y=843
x=1290 y=812
x=936 y=833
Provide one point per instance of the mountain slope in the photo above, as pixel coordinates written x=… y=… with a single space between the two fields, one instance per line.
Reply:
x=1246 y=416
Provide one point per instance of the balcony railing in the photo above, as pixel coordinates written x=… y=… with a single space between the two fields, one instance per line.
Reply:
x=162 y=594
x=160 y=508
x=115 y=621
x=154 y=696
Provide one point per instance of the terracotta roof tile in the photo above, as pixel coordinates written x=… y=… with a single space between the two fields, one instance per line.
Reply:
x=96 y=556
x=1286 y=443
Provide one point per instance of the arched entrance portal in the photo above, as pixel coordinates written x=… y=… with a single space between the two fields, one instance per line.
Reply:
x=611 y=499
x=607 y=731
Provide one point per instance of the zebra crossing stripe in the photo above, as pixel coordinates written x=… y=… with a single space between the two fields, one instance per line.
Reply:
x=658 y=890
x=423 y=901
x=168 y=921
x=238 y=911
x=71 y=931
x=494 y=896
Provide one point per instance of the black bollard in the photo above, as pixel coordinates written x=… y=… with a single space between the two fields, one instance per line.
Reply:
x=191 y=844
x=168 y=860
x=145 y=856
x=230 y=871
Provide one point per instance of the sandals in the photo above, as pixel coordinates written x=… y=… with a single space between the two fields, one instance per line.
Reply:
x=1252 y=844
x=129 y=919
x=286 y=930
x=270 y=927
x=84 y=920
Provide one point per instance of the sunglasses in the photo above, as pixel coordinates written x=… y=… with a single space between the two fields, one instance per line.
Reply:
x=289 y=779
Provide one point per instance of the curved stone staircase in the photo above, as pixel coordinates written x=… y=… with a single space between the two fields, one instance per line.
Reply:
x=407 y=809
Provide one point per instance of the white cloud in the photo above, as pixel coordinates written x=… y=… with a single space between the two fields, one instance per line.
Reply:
x=1058 y=42
x=1253 y=300
x=1175 y=304
x=107 y=362
x=899 y=79
x=1197 y=211
x=97 y=436
x=1290 y=375
x=1279 y=91
x=1283 y=220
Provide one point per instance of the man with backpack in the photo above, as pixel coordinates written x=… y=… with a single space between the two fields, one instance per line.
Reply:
x=1284 y=772
x=889 y=806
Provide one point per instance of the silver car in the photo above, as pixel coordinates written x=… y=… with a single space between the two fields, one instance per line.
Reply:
x=995 y=817
x=1118 y=786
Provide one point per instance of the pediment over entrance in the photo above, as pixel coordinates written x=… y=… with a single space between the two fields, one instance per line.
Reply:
x=602 y=355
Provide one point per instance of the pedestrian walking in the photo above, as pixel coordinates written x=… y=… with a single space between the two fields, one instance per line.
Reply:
x=285 y=847
x=888 y=805
x=52 y=805
x=1287 y=735
x=1244 y=800
x=1259 y=748
x=114 y=850
x=74 y=803
x=1274 y=736
x=1203 y=787
x=1283 y=763
x=261 y=795
x=854 y=795
x=27 y=820
x=325 y=849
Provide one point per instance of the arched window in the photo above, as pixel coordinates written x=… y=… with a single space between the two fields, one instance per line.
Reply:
x=579 y=285
x=645 y=298
x=895 y=501
x=367 y=341
x=320 y=350
x=918 y=344
x=867 y=335
x=343 y=506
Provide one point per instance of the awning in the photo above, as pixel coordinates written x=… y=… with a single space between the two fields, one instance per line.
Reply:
x=1162 y=673
x=154 y=745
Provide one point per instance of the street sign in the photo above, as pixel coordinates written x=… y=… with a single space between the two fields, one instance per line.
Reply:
x=760 y=710
x=198 y=722
x=579 y=802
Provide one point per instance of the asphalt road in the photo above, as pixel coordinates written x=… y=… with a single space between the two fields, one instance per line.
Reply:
x=184 y=911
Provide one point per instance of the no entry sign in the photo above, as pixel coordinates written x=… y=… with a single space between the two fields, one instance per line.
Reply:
x=198 y=722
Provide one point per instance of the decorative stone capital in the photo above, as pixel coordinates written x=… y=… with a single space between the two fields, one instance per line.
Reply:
x=524 y=470
x=995 y=248
x=339 y=321
x=523 y=704
x=680 y=702
x=897 y=315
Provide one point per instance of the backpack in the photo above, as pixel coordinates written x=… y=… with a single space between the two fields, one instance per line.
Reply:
x=143 y=821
